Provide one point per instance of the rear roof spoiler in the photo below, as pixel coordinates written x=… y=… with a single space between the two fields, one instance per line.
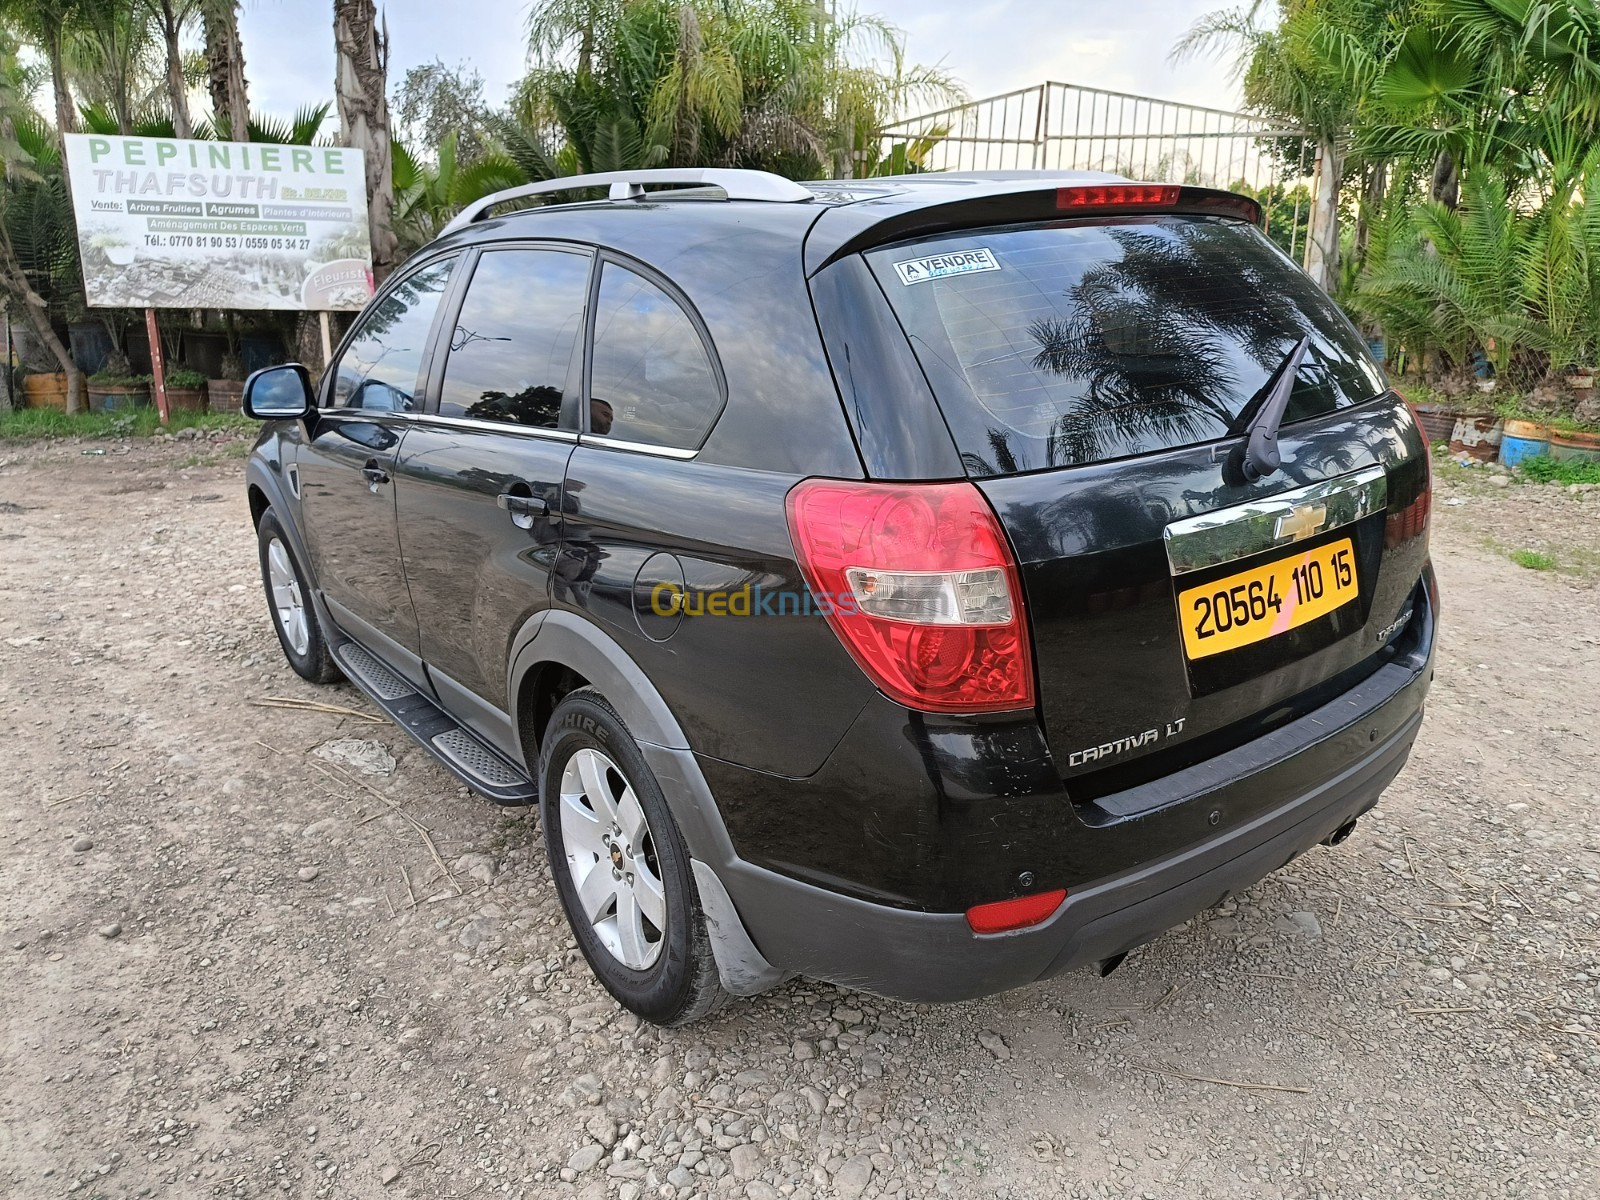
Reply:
x=1021 y=199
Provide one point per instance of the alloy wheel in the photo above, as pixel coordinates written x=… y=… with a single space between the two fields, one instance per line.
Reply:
x=287 y=599
x=611 y=858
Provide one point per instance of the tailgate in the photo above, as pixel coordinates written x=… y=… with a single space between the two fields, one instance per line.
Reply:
x=1097 y=376
x=1107 y=553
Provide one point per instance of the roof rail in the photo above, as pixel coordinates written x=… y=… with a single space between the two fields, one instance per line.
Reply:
x=629 y=185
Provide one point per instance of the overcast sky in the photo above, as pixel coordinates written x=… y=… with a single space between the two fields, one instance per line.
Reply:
x=992 y=46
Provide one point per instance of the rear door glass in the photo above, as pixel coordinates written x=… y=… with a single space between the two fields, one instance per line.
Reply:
x=512 y=346
x=1059 y=345
x=651 y=378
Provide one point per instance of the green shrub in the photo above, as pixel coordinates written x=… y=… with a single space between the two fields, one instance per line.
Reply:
x=113 y=379
x=1533 y=560
x=1544 y=469
x=183 y=377
x=34 y=424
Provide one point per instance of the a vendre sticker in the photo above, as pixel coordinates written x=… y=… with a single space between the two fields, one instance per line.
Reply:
x=938 y=266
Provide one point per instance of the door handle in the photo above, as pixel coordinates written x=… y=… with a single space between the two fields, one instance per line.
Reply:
x=523 y=509
x=374 y=475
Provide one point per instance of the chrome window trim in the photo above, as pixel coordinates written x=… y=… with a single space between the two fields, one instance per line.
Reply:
x=554 y=435
x=1228 y=534
x=598 y=439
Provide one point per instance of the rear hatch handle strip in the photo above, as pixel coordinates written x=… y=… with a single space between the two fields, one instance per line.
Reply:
x=1227 y=534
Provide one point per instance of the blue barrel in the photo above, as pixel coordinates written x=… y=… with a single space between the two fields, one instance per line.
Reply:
x=1523 y=439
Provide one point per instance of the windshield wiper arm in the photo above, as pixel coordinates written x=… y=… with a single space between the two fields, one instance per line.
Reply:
x=1257 y=456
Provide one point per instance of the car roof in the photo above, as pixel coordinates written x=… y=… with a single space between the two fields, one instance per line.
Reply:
x=831 y=217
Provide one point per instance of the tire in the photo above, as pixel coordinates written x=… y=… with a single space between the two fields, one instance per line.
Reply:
x=621 y=868
x=294 y=616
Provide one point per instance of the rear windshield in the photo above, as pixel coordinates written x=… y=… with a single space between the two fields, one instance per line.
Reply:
x=1053 y=346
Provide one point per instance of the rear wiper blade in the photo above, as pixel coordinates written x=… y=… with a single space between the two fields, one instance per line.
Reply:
x=1257 y=456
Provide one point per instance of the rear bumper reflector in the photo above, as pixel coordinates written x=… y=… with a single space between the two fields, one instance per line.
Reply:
x=1005 y=915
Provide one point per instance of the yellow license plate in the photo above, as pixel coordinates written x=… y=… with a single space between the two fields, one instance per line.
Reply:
x=1254 y=605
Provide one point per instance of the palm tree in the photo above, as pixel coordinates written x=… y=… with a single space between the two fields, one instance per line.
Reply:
x=115 y=61
x=361 y=84
x=170 y=18
x=1456 y=275
x=427 y=196
x=49 y=25
x=775 y=84
x=230 y=100
x=1293 y=71
x=1479 y=80
x=33 y=207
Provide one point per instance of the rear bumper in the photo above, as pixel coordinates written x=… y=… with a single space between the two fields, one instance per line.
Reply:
x=1323 y=770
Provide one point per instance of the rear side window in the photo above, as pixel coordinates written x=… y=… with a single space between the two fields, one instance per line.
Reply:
x=511 y=348
x=1059 y=345
x=651 y=380
x=379 y=367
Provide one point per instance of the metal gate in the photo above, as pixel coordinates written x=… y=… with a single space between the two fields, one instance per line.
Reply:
x=1060 y=126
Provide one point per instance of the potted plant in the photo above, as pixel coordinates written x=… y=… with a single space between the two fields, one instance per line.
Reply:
x=227 y=393
x=186 y=390
x=45 y=390
x=115 y=390
x=1577 y=440
x=1436 y=407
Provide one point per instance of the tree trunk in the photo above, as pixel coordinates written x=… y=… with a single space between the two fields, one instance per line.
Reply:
x=1322 y=241
x=361 y=89
x=66 y=113
x=1372 y=195
x=177 y=93
x=1446 y=188
x=16 y=282
x=230 y=101
x=66 y=122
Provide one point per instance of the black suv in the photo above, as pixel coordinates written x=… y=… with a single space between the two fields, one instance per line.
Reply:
x=902 y=583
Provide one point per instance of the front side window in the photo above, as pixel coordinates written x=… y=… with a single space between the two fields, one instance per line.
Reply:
x=380 y=368
x=513 y=340
x=652 y=381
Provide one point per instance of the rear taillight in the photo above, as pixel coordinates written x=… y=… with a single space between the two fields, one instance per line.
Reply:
x=919 y=583
x=1409 y=522
x=1005 y=915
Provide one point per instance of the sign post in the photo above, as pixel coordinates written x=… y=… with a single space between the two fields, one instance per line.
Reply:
x=158 y=368
x=185 y=223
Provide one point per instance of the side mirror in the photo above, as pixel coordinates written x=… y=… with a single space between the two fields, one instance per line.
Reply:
x=279 y=394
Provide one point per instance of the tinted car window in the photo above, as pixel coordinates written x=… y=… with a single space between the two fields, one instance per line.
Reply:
x=379 y=368
x=1066 y=344
x=652 y=380
x=512 y=343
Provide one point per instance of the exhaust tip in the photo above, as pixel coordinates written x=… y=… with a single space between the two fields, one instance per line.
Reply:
x=1107 y=965
x=1340 y=834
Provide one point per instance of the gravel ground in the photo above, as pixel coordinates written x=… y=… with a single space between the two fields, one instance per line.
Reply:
x=252 y=950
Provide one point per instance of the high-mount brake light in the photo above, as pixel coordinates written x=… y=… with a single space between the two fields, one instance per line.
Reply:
x=1117 y=195
x=919 y=583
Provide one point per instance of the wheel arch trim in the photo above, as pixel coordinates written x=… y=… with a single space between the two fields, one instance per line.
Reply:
x=566 y=639
x=569 y=640
x=259 y=479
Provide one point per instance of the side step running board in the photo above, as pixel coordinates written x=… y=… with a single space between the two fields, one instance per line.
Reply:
x=460 y=751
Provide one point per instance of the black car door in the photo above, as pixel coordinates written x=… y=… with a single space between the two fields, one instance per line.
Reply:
x=479 y=477
x=346 y=466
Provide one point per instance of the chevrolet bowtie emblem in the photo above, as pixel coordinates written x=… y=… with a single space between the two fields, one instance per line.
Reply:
x=1305 y=520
